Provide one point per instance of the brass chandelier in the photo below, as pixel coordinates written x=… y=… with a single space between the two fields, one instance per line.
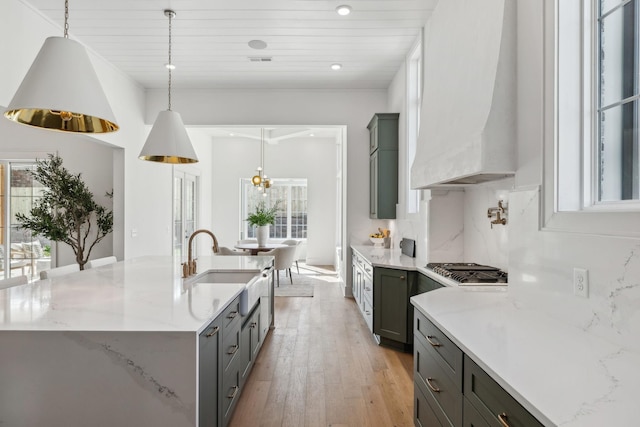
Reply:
x=260 y=179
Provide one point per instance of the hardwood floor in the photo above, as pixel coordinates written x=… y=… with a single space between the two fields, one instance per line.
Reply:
x=321 y=367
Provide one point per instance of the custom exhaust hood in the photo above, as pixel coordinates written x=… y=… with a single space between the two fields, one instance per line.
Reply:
x=468 y=118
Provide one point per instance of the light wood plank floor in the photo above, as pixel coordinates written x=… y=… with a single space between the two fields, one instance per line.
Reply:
x=321 y=367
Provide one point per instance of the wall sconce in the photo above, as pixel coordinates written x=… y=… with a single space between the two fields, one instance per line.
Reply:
x=500 y=214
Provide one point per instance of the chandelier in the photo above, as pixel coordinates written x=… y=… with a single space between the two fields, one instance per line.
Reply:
x=260 y=179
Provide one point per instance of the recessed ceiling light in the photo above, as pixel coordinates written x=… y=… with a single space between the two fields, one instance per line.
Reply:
x=257 y=44
x=170 y=66
x=336 y=67
x=311 y=134
x=343 y=10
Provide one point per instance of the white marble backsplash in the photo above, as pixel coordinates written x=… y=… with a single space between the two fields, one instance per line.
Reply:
x=541 y=271
x=483 y=243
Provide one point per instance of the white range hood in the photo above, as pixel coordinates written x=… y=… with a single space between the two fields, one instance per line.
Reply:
x=468 y=118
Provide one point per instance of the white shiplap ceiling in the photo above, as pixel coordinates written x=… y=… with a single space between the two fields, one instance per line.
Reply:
x=304 y=37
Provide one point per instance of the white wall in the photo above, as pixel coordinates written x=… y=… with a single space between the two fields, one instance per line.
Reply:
x=352 y=108
x=310 y=158
x=541 y=262
x=76 y=151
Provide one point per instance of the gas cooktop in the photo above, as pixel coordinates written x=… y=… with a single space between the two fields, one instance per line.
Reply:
x=468 y=272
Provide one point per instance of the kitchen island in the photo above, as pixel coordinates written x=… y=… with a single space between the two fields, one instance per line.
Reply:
x=115 y=345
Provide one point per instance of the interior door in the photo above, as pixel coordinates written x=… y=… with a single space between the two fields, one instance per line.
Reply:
x=185 y=211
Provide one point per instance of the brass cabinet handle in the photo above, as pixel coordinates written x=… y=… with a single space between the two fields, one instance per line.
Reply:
x=253 y=325
x=235 y=391
x=431 y=386
x=503 y=419
x=214 y=331
x=401 y=277
x=232 y=315
x=234 y=348
x=433 y=343
x=367 y=289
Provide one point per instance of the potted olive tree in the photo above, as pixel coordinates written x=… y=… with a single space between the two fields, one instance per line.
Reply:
x=66 y=211
x=261 y=218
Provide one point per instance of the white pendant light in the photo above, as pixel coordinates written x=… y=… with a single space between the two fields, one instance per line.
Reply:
x=61 y=90
x=168 y=141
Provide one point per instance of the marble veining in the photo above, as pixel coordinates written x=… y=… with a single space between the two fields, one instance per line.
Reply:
x=388 y=258
x=144 y=294
x=564 y=375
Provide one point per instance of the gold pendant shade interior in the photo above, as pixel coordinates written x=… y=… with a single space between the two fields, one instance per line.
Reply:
x=61 y=90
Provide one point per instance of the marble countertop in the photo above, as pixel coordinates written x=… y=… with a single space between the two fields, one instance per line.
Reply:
x=393 y=258
x=141 y=294
x=564 y=375
x=388 y=258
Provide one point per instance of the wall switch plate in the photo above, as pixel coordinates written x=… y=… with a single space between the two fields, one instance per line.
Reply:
x=581 y=282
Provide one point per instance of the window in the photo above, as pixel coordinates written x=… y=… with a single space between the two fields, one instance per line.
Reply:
x=591 y=97
x=26 y=254
x=185 y=211
x=617 y=153
x=291 y=219
x=414 y=103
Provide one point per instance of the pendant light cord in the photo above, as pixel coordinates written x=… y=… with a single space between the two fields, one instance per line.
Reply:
x=66 y=19
x=171 y=14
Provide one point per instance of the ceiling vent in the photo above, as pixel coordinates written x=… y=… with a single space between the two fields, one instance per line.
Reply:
x=260 y=58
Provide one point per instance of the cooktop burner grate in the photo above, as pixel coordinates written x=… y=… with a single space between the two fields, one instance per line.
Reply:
x=463 y=272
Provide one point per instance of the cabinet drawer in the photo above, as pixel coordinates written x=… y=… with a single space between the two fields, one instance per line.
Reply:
x=230 y=393
x=441 y=392
x=230 y=348
x=423 y=414
x=492 y=401
x=231 y=314
x=471 y=417
x=367 y=292
x=443 y=350
x=367 y=312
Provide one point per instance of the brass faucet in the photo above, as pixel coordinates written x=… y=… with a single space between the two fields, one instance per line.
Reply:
x=189 y=267
x=500 y=213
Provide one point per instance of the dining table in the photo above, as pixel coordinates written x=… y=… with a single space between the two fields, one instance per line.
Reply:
x=254 y=248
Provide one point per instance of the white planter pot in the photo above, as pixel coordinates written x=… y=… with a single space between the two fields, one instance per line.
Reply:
x=262 y=234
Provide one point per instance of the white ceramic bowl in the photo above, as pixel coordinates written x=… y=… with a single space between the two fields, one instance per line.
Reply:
x=377 y=241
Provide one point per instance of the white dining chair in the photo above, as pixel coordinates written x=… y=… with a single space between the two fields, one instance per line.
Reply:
x=296 y=243
x=283 y=260
x=13 y=281
x=59 y=271
x=100 y=262
x=223 y=250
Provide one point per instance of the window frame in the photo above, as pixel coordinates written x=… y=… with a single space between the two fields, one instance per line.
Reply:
x=414 y=88
x=576 y=127
x=246 y=186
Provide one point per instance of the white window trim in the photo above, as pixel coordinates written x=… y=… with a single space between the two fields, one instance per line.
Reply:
x=610 y=219
x=412 y=210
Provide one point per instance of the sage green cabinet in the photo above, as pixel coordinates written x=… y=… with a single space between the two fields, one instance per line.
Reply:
x=383 y=165
x=493 y=403
x=392 y=312
x=249 y=344
x=209 y=343
x=427 y=284
x=231 y=322
x=452 y=390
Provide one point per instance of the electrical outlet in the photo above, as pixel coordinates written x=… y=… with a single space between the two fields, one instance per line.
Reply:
x=581 y=282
